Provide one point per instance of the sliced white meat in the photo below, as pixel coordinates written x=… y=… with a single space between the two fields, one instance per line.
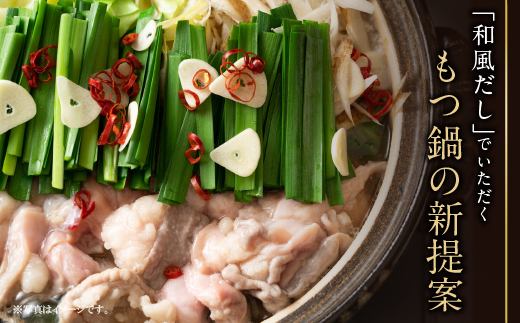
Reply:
x=357 y=198
x=68 y=265
x=26 y=233
x=329 y=251
x=277 y=248
x=107 y=201
x=148 y=236
x=122 y=297
x=189 y=309
x=226 y=303
x=271 y=295
x=87 y=236
x=35 y=276
x=7 y=207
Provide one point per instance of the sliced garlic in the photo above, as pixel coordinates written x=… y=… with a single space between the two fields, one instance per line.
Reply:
x=146 y=37
x=239 y=154
x=133 y=111
x=339 y=151
x=78 y=108
x=368 y=82
x=218 y=87
x=356 y=80
x=16 y=105
x=187 y=70
x=125 y=98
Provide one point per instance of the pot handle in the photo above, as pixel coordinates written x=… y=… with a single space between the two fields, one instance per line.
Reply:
x=460 y=54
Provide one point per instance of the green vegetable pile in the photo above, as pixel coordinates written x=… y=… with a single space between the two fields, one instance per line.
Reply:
x=295 y=125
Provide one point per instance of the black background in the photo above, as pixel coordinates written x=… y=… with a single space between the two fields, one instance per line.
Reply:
x=404 y=296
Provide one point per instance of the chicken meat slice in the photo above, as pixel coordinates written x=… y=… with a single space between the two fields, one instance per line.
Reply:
x=68 y=265
x=226 y=303
x=25 y=235
x=189 y=309
x=120 y=295
x=148 y=236
x=8 y=206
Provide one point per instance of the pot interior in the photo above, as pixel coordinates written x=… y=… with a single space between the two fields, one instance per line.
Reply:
x=391 y=219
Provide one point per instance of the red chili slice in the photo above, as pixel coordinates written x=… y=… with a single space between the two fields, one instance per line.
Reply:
x=196 y=144
x=130 y=83
x=35 y=57
x=31 y=71
x=115 y=71
x=184 y=102
x=356 y=54
x=103 y=139
x=173 y=272
x=48 y=79
x=111 y=126
x=31 y=76
x=230 y=78
x=373 y=99
x=256 y=64
x=134 y=61
x=111 y=83
x=206 y=80
x=233 y=52
x=237 y=85
x=82 y=200
x=117 y=110
x=130 y=38
x=106 y=108
x=124 y=134
x=135 y=90
x=195 y=181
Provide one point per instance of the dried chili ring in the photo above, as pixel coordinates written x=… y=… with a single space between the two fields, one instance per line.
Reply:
x=205 y=82
x=134 y=61
x=130 y=83
x=373 y=99
x=130 y=38
x=115 y=71
x=135 y=90
x=124 y=134
x=184 y=102
x=173 y=272
x=237 y=85
x=31 y=76
x=256 y=64
x=233 y=52
x=103 y=139
x=97 y=83
x=195 y=181
x=82 y=199
x=196 y=144
x=356 y=54
x=31 y=71
x=35 y=57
